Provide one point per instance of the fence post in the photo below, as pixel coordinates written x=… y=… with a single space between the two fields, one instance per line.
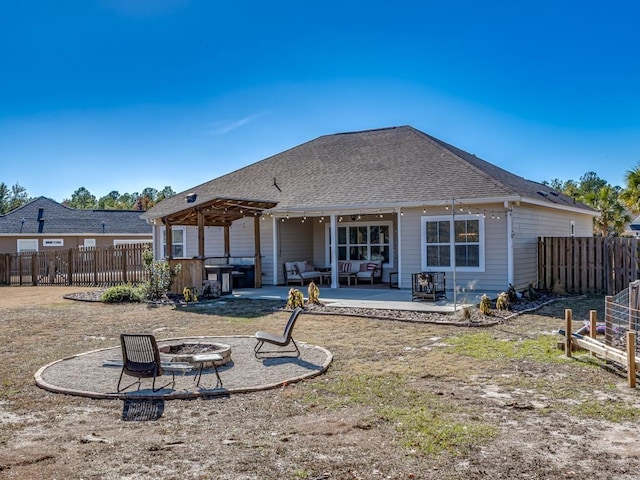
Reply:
x=593 y=326
x=70 y=267
x=631 y=359
x=568 y=314
x=34 y=269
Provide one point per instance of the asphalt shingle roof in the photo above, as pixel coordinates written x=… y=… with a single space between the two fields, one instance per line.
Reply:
x=46 y=216
x=375 y=168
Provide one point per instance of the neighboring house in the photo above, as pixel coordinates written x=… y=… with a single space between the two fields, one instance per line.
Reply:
x=395 y=194
x=44 y=224
x=633 y=229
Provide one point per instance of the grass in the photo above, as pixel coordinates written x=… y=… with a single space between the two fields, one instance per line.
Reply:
x=487 y=346
x=610 y=410
x=423 y=420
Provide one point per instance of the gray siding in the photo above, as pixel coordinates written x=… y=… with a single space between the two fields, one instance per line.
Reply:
x=494 y=275
x=529 y=223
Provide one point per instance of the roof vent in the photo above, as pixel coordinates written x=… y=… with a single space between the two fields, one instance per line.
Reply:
x=543 y=193
x=192 y=197
x=555 y=194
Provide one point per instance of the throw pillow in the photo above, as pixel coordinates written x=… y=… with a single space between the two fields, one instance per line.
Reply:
x=372 y=266
x=344 y=267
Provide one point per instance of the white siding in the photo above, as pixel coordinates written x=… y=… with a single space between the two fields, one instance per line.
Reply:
x=295 y=242
x=529 y=223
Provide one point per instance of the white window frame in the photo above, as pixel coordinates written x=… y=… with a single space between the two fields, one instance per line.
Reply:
x=89 y=243
x=451 y=243
x=24 y=242
x=163 y=243
x=387 y=224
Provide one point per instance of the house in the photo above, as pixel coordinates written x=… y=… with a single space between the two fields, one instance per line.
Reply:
x=43 y=224
x=395 y=194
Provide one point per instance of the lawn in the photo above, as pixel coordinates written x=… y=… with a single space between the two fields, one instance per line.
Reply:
x=400 y=400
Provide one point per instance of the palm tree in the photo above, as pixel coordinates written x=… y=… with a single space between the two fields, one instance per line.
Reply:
x=613 y=217
x=630 y=195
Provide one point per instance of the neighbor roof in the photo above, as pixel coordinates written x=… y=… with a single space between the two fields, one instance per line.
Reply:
x=47 y=217
x=398 y=166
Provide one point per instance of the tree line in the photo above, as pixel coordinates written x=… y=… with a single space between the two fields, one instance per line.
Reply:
x=17 y=195
x=616 y=204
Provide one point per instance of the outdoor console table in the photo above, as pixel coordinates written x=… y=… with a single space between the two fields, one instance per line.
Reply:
x=428 y=286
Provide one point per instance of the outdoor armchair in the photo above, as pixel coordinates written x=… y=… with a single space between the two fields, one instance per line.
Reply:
x=141 y=359
x=279 y=340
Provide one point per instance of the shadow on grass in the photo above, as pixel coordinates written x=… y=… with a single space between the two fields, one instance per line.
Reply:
x=233 y=307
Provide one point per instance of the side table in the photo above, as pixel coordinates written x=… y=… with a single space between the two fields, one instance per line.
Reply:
x=200 y=361
x=393 y=280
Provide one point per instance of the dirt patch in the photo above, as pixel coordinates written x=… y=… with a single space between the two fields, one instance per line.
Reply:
x=508 y=403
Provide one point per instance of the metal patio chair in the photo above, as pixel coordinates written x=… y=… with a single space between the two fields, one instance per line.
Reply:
x=141 y=359
x=279 y=340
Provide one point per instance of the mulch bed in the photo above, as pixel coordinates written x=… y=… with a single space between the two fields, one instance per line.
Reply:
x=474 y=318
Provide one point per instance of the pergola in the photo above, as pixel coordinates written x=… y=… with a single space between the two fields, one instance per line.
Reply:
x=218 y=212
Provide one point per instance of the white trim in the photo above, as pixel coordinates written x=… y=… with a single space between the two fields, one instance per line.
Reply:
x=276 y=261
x=163 y=241
x=399 y=250
x=451 y=219
x=510 y=262
x=334 y=251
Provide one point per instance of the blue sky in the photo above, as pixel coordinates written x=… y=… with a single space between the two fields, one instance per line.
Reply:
x=127 y=94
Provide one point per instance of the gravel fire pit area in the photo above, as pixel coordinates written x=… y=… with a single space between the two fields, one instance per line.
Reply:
x=95 y=374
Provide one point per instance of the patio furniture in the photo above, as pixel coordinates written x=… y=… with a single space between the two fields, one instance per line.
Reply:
x=279 y=340
x=207 y=358
x=300 y=272
x=348 y=276
x=428 y=286
x=369 y=270
x=141 y=359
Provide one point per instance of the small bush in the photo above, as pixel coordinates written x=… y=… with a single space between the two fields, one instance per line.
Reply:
x=485 y=304
x=121 y=293
x=295 y=298
x=502 y=303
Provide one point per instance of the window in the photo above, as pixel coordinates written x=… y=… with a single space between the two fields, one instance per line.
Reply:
x=447 y=244
x=178 y=241
x=27 y=245
x=89 y=242
x=362 y=241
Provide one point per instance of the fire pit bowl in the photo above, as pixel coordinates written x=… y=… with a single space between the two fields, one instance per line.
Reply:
x=184 y=352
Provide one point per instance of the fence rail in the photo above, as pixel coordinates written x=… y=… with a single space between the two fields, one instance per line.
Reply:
x=598 y=265
x=89 y=266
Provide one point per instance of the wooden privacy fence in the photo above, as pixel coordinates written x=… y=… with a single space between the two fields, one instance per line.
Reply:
x=94 y=266
x=600 y=265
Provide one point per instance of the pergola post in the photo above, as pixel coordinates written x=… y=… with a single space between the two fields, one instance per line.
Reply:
x=227 y=241
x=200 y=233
x=169 y=237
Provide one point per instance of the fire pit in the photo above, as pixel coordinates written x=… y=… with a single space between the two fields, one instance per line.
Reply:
x=184 y=352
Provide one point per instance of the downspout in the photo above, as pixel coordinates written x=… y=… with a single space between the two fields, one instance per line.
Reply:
x=510 y=256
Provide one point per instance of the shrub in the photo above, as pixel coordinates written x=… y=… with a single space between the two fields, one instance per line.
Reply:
x=485 y=304
x=314 y=294
x=502 y=303
x=121 y=293
x=160 y=276
x=295 y=298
